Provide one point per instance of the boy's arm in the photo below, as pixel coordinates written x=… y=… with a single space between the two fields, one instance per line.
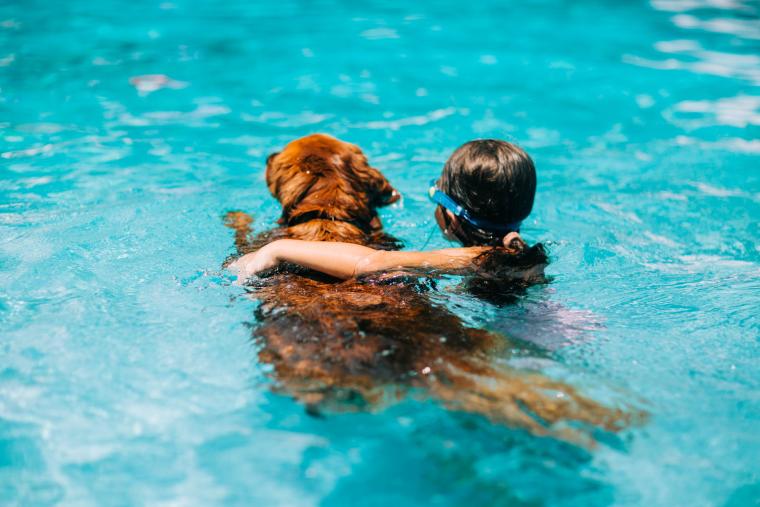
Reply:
x=347 y=260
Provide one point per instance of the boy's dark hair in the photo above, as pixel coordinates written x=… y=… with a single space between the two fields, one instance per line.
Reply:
x=494 y=180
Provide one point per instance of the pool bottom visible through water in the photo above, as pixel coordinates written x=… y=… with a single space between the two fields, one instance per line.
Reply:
x=128 y=372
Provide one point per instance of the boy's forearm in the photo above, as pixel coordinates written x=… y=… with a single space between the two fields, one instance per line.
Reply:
x=332 y=258
x=447 y=260
x=347 y=260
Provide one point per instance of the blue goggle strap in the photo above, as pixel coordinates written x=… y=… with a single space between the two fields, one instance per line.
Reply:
x=438 y=197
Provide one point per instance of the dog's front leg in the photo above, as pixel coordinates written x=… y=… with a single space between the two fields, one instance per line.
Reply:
x=240 y=222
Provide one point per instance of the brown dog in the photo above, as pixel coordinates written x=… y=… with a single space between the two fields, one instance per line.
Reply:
x=343 y=345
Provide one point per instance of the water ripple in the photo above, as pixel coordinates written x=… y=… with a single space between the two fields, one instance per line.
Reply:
x=740 y=111
x=431 y=117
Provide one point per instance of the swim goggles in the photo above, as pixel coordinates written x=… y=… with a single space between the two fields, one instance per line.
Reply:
x=440 y=198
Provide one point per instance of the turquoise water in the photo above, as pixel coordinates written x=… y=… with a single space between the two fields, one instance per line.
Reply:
x=127 y=374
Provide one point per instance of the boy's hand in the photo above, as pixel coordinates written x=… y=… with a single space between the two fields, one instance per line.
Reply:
x=252 y=263
x=514 y=243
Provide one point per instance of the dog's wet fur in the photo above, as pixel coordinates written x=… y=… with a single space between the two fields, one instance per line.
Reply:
x=363 y=344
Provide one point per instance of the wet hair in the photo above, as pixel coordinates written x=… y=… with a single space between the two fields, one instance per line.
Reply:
x=502 y=276
x=494 y=180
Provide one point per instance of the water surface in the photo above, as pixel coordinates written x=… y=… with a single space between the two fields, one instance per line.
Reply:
x=127 y=374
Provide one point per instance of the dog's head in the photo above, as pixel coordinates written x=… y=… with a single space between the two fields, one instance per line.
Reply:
x=318 y=176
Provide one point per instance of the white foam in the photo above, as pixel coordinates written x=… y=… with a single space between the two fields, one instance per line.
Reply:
x=618 y=211
x=663 y=240
x=150 y=83
x=380 y=33
x=688 y=5
x=705 y=263
x=748 y=29
x=733 y=144
x=672 y=196
x=28 y=152
x=717 y=191
x=693 y=58
x=279 y=119
x=740 y=111
x=420 y=120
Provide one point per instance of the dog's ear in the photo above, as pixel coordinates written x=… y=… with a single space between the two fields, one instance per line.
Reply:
x=271 y=174
x=381 y=191
x=377 y=186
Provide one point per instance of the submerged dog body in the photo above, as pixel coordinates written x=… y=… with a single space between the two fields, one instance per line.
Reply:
x=359 y=344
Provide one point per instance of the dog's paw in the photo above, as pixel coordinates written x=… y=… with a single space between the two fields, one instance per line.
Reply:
x=237 y=220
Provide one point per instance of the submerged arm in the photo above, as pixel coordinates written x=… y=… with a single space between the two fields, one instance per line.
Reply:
x=347 y=260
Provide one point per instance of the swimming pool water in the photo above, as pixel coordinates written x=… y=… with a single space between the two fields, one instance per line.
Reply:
x=127 y=374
